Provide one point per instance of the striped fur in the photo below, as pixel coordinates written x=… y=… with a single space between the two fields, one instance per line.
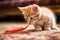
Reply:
x=41 y=17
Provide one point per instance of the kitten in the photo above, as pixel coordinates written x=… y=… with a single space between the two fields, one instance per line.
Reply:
x=41 y=17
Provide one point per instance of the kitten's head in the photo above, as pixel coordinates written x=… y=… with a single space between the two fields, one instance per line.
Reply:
x=29 y=12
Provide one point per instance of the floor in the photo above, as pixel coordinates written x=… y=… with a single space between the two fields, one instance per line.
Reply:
x=9 y=25
x=27 y=35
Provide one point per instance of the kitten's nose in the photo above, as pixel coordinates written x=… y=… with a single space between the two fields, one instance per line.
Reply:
x=31 y=18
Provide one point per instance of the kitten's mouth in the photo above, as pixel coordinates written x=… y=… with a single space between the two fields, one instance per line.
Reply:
x=32 y=22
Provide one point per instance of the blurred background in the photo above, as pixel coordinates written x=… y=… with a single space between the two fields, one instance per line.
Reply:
x=10 y=13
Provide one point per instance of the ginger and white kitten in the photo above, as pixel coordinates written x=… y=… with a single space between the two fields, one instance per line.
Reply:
x=41 y=17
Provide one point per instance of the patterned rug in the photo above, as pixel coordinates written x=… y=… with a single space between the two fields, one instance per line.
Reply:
x=40 y=35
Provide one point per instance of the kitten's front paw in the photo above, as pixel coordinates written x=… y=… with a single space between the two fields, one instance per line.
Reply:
x=38 y=29
x=47 y=28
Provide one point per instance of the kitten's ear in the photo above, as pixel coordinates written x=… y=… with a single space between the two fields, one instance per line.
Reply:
x=35 y=4
x=21 y=8
x=35 y=8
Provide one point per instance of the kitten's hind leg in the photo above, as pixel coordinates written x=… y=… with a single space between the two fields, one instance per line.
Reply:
x=55 y=28
x=54 y=25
